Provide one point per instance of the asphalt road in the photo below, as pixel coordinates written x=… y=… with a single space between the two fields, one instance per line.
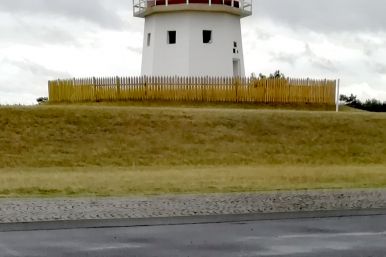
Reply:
x=361 y=236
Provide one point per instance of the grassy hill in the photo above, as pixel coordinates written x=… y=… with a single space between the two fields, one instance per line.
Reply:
x=163 y=149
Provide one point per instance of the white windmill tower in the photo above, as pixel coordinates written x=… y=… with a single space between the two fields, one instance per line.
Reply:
x=192 y=37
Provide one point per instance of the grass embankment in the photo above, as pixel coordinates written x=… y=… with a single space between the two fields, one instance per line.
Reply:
x=106 y=150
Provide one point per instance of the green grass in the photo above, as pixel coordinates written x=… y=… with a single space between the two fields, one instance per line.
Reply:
x=120 y=150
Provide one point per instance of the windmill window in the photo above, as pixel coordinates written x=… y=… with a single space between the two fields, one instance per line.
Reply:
x=207 y=36
x=234 y=44
x=172 y=37
x=148 y=39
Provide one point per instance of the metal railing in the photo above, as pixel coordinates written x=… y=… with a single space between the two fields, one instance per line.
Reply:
x=140 y=6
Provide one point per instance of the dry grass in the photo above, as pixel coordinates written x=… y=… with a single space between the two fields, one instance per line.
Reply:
x=152 y=181
x=212 y=105
x=116 y=150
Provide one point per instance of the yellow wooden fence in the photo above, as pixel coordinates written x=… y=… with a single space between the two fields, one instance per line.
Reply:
x=194 y=89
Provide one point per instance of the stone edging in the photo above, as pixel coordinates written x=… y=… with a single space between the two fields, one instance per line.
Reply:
x=72 y=209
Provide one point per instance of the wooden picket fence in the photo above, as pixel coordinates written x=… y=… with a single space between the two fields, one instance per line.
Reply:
x=193 y=89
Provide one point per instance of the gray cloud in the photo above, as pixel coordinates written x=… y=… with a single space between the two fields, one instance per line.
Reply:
x=77 y=26
x=135 y=49
x=369 y=43
x=286 y=57
x=325 y=15
x=26 y=82
x=35 y=68
x=317 y=61
x=25 y=33
x=309 y=55
x=380 y=68
x=101 y=12
x=262 y=35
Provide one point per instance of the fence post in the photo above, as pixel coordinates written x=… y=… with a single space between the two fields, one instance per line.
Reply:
x=324 y=91
x=145 y=85
x=60 y=94
x=95 y=88
x=236 y=85
x=118 y=82
x=202 y=88
x=337 y=89
x=49 y=91
x=266 y=90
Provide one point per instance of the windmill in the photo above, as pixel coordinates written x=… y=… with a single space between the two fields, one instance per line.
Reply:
x=192 y=37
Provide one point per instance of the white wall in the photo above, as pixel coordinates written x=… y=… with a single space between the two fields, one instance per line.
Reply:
x=190 y=56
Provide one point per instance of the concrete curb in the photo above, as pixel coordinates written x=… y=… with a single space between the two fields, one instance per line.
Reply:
x=168 y=221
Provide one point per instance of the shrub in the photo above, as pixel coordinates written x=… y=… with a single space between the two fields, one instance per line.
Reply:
x=42 y=100
x=372 y=105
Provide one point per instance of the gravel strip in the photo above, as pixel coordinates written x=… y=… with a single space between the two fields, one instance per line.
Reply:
x=63 y=209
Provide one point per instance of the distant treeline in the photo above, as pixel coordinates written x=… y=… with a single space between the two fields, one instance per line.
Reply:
x=371 y=105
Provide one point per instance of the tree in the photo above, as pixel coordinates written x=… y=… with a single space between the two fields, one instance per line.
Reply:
x=276 y=75
x=372 y=105
x=42 y=100
x=349 y=99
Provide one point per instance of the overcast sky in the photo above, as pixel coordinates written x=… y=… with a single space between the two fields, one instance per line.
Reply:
x=50 y=39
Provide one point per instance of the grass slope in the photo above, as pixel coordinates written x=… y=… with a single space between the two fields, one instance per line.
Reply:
x=107 y=150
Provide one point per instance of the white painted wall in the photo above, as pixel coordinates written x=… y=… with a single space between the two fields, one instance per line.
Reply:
x=190 y=56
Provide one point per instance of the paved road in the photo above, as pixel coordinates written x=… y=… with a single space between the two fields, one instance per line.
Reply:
x=361 y=236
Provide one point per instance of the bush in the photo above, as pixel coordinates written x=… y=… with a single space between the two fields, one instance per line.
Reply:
x=372 y=105
x=276 y=75
x=42 y=100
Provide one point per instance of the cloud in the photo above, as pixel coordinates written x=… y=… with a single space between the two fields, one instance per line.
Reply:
x=22 y=81
x=380 y=68
x=308 y=55
x=364 y=91
x=34 y=31
x=95 y=11
x=318 y=61
x=136 y=50
x=50 y=39
x=285 y=57
x=326 y=15
x=35 y=68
